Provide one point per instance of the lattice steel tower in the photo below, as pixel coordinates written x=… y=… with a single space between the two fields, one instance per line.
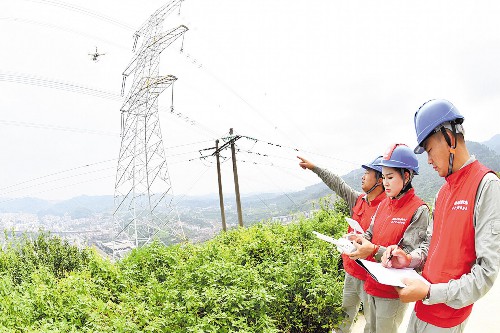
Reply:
x=143 y=192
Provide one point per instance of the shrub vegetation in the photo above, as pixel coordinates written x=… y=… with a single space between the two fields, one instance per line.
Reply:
x=266 y=278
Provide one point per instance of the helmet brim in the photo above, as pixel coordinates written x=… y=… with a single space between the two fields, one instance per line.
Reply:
x=419 y=149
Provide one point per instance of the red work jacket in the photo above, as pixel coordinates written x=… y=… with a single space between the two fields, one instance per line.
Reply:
x=452 y=249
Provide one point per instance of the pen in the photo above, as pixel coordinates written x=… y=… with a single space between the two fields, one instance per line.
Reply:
x=398 y=245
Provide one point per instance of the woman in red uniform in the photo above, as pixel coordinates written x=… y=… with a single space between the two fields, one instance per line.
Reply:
x=401 y=218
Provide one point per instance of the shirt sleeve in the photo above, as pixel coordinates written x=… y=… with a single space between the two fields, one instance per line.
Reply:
x=472 y=286
x=338 y=185
x=415 y=234
x=419 y=253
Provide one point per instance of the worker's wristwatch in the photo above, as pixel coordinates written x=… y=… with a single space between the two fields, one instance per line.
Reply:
x=425 y=300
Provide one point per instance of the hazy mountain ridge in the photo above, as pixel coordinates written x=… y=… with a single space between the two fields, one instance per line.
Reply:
x=493 y=143
x=255 y=206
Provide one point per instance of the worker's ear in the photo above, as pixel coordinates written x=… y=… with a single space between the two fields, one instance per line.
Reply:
x=407 y=176
x=452 y=137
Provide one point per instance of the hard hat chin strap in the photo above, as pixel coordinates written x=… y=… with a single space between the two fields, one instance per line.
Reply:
x=452 y=146
x=373 y=187
x=378 y=175
x=406 y=185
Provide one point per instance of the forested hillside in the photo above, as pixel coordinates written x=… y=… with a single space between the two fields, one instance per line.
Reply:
x=267 y=278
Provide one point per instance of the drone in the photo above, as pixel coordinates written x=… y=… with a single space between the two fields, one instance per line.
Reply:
x=95 y=56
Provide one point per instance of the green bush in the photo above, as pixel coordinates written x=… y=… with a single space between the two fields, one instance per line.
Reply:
x=267 y=278
x=25 y=255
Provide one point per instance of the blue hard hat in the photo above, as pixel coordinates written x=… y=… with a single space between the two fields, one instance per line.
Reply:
x=400 y=156
x=432 y=114
x=373 y=165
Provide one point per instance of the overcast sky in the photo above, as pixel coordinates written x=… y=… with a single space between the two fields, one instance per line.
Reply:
x=339 y=81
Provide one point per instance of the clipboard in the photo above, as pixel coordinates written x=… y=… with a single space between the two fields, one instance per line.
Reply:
x=389 y=276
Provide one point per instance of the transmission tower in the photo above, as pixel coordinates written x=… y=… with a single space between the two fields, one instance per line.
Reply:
x=143 y=192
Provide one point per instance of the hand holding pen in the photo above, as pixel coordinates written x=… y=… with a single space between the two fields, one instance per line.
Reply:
x=400 y=258
x=398 y=245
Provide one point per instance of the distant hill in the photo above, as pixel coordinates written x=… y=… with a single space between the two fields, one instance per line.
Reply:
x=426 y=184
x=255 y=207
x=78 y=207
x=83 y=206
x=485 y=155
x=493 y=143
x=24 y=205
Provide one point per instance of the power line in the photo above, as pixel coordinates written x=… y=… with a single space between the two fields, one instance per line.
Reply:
x=295 y=149
x=61 y=187
x=22 y=78
x=56 y=3
x=85 y=11
x=235 y=93
x=59 y=85
x=64 y=29
x=167 y=8
x=186 y=119
x=44 y=82
x=58 y=179
x=56 y=173
x=55 y=127
x=261 y=153
x=3 y=189
x=196 y=180
x=188 y=144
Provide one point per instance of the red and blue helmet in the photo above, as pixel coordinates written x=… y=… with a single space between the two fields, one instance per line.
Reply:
x=400 y=156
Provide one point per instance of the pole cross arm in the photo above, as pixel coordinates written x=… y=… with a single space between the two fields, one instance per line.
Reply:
x=227 y=144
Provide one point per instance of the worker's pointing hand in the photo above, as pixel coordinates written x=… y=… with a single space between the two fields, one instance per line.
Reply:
x=305 y=164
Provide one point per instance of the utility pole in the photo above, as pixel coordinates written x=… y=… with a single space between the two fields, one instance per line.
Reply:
x=229 y=143
x=236 y=183
x=221 y=198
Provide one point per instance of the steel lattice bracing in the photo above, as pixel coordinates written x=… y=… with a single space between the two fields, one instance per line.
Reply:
x=143 y=193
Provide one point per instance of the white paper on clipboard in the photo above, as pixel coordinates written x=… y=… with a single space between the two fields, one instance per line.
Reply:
x=390 y=276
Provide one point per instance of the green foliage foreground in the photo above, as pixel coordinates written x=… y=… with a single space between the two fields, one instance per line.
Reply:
x=267 y=278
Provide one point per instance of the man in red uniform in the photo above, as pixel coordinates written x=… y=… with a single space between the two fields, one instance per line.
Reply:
x=461 y=255
x=362 y=207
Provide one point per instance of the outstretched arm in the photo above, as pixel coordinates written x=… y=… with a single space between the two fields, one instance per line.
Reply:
x=333 y=181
